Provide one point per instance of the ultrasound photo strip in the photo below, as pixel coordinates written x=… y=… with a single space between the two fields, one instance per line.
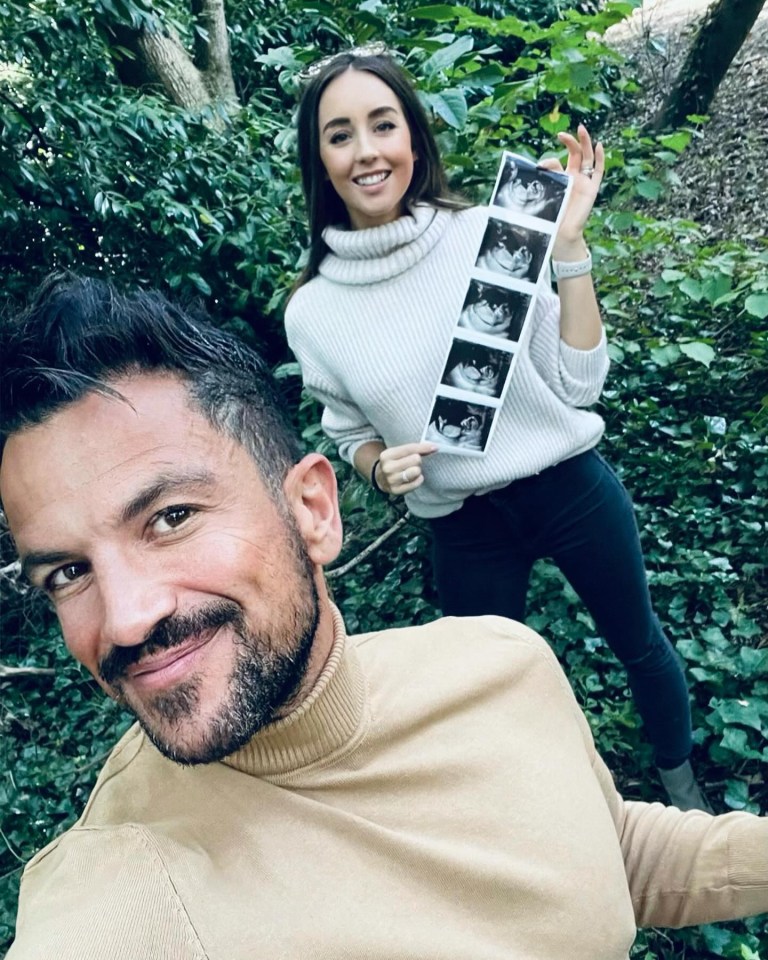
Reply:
x=527 y=204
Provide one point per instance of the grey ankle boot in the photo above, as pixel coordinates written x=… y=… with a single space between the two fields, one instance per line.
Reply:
x=682 y=789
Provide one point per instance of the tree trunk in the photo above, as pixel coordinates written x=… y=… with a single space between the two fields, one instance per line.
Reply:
x=723 y=30
x=212 y=49
x=158 y=56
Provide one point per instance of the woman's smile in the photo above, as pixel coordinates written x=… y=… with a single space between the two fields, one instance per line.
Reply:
x=365 y=147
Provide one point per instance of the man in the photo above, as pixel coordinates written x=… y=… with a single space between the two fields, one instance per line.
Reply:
x=288 y=791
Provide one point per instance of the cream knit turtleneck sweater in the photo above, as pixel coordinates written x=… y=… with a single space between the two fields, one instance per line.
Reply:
x=371 y=333
x=436 y=797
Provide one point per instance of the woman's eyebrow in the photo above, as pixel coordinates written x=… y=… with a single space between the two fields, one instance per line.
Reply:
x=343 y=121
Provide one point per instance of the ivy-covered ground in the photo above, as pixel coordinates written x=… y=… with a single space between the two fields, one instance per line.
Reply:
x=130 y=186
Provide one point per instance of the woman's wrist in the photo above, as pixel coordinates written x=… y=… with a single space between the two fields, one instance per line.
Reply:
x=568 y=269
x=374 y=481
x=570 y=250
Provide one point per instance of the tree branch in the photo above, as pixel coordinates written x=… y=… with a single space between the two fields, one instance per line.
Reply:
x=169 y=62
x=10 y=672
x=351 y=564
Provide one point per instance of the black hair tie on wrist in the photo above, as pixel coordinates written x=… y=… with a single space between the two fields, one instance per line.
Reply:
x=374 y=482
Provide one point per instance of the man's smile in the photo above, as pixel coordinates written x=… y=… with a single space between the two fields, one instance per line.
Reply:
x=164 y=669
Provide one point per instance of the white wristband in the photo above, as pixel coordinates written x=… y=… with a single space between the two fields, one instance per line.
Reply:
x=563 y=269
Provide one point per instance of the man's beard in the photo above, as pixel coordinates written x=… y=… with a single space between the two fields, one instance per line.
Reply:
x=268 y=671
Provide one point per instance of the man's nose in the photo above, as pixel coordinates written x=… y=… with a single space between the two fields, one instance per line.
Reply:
x=135 y=598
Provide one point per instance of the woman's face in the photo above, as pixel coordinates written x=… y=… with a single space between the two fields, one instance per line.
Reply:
x=365 y=147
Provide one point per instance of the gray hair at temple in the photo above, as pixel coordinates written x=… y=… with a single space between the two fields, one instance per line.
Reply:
x=79 y=335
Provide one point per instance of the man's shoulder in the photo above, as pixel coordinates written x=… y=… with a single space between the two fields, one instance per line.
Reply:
x=487 y=630
x=100 y=891
x=129 y=752
x=90 y=868
x=465 y=645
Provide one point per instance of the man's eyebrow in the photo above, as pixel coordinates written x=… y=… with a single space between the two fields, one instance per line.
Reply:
x=143 y=500
x=343 y=121
x=160 y=487
x=42 y=558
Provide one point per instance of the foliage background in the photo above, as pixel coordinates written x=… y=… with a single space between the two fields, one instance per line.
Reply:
x=104 y=178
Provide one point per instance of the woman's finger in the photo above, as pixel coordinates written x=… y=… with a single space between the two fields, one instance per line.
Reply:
x=581 y=153
x=394 y=467
x=422 y=449
x=551 y=163
x=585 y=143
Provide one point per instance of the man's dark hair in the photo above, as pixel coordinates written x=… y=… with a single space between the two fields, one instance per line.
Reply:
x=80 y=334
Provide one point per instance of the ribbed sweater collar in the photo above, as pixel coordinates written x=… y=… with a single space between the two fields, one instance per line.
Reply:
x=331 y=720
x=379 y=253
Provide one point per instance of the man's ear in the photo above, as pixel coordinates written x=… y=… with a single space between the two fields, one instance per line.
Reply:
x=310 y=492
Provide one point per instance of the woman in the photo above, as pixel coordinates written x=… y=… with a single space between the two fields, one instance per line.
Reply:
x=389 y=261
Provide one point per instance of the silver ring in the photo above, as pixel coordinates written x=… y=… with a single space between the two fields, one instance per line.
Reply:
x=404 y=475
x=587 y=169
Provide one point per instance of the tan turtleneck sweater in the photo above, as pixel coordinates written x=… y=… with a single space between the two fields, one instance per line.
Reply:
x=436 y=797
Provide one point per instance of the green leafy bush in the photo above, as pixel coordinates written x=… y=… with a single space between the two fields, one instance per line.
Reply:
x=102 y=178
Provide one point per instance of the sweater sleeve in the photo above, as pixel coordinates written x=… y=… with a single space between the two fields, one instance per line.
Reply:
x=342 y=420
x=575 y=376
x=688 y=868
x=78 y=904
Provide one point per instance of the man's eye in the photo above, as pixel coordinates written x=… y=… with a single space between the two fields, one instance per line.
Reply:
x=64 y=576
x=171 y=518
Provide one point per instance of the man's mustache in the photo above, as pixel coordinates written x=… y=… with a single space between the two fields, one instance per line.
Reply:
x=172 y=632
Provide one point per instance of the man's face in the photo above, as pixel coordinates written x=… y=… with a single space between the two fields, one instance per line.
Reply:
x=178 y=582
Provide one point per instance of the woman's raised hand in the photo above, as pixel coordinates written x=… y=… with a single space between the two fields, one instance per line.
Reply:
x=586 y=164
x=399 y=468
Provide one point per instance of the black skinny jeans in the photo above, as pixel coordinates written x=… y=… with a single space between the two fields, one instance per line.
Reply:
x=578 y=514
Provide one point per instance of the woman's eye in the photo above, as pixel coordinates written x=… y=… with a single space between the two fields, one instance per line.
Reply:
x=385 y=125
x=171 y=518
x=339 y=137
x=63 y=576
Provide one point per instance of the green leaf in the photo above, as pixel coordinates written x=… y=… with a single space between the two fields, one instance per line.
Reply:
x=487 y=76
x=735 y=739
x=602 y=98
x=451 y=106
x=446 y=56
x=666 y=354
x=555 y=122
x=201 y=284
x=716 y=287
x=676 y=141
x=736 y=794
x=437 y=11
x=698 y=351
x=748 y=713
x=692 y=288
x=717 y=939
x=757 y=305
x=650 y=189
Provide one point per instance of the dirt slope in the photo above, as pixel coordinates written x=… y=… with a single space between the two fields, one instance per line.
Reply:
x=723 y=172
